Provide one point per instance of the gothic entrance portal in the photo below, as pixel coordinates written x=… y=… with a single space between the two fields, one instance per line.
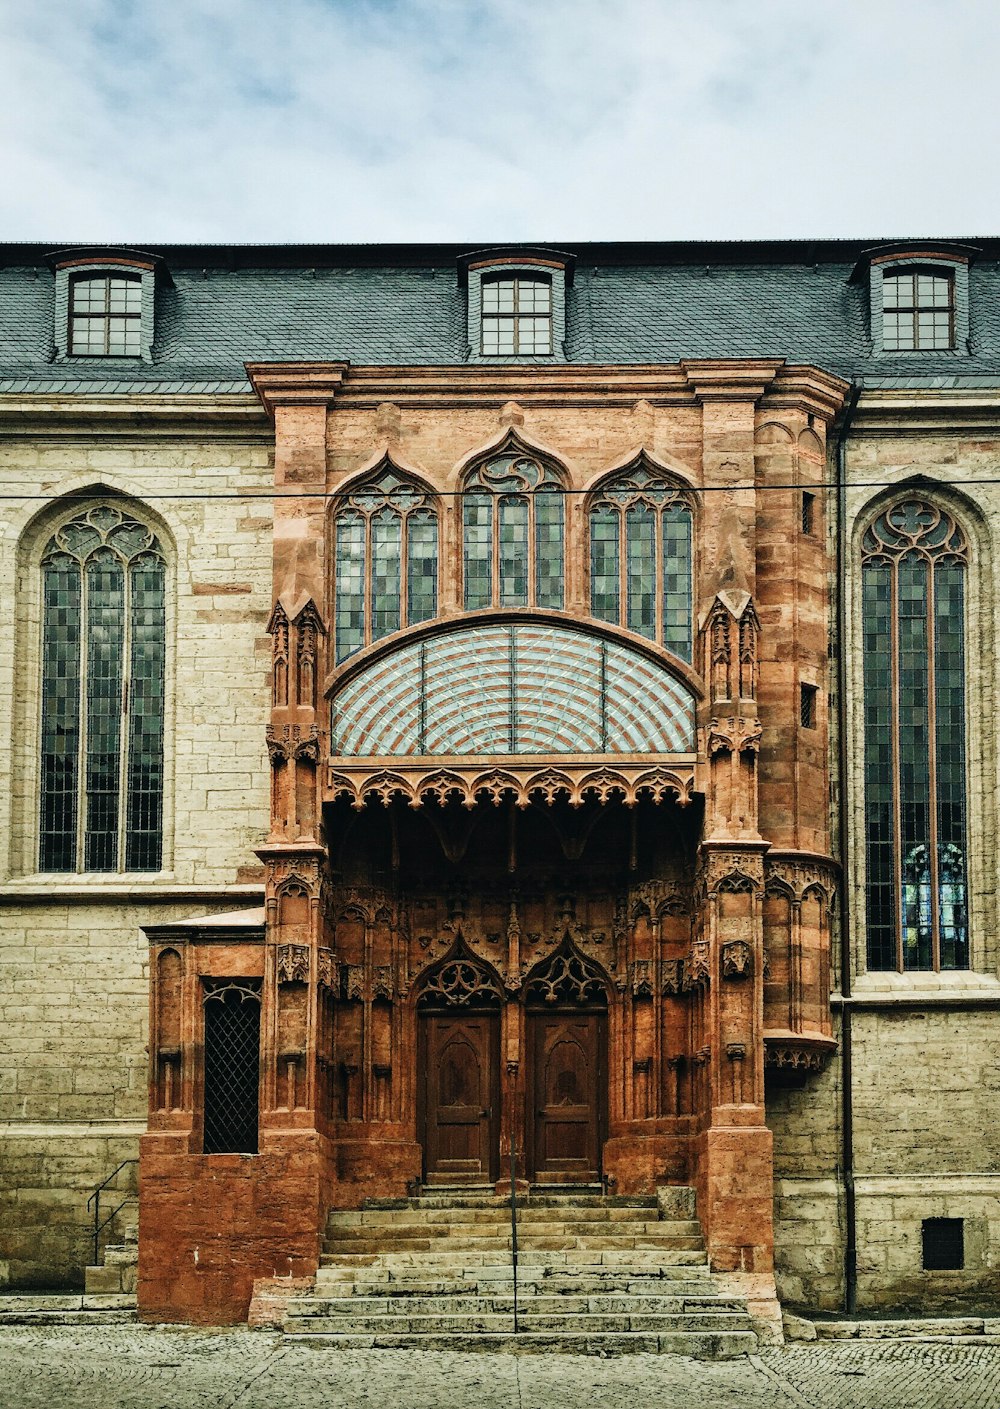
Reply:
x=459 y=1076
x=567 y=1052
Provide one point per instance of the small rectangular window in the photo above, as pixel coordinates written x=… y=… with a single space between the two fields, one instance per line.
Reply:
x=808 y=513
x=105 y=316
x=807 y=706
x=918 y=311
x=517 y=317
x=943 y=1244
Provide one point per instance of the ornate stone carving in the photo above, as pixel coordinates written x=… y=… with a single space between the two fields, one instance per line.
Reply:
x=698 y=968
x=731 y=872
x=382 y=986
x=672 y=977
x=734 y=734
x=287 y=741
x=354 y=982
x=566 y=976
x=522 y=781
x=642 y=978
x=737 y=959
x=794 y=877
x=736 y=1051
x=293 y=963
x=798 y=1055
x=458 y=983
x=326 y=969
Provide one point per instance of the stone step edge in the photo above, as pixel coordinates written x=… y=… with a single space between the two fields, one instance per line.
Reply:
x=979 y=1328
x=66 y=1301
x=711 y=1345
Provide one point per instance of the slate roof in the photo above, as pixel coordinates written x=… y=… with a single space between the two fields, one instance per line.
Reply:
x=399 y=304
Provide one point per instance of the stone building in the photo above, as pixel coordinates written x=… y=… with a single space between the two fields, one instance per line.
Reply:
x=469 y=702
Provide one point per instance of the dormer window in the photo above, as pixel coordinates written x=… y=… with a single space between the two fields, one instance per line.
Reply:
x=105 y=314
x=919 y=299
x=517 y=316
x=516 y=304
x=104 y=302
x=918 y=310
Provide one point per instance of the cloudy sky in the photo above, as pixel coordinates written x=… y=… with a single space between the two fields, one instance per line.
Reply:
x=479 y=120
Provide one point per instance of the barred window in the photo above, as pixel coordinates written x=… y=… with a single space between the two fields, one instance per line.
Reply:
x=103 y=664
x=517 y=316
x=105 y=312
x=641 y=556
x=232 y=1066
x=914 y=559
x=386 y=562
x=918 y=310
x=513 y=520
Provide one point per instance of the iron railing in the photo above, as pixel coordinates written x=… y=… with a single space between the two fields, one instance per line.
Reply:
x=94 y=1202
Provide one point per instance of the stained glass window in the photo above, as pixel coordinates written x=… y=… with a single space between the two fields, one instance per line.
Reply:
x=641 y=558
x=103 y=663
x=913 y=601
x=513 y=524
x=105 y=315
x=386 y=561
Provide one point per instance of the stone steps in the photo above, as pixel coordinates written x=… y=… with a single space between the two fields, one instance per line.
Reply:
x=66 y=1309
x=705 y=1345
x=595 y=1274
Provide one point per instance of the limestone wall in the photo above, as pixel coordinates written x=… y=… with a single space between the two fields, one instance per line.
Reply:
x=73 y=995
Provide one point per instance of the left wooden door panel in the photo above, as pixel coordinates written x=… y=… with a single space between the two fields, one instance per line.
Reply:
x=460 y=1089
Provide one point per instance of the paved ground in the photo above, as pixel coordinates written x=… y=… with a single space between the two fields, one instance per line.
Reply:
x=124 y=1367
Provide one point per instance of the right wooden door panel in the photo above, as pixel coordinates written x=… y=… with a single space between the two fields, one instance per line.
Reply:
x=568 y=1089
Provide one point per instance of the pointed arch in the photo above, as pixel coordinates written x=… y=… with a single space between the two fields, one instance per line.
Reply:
x=641 y=532
x=567 y=976
x=385 y=533
x=104 y=570
x=459 y=979
x=513 y=528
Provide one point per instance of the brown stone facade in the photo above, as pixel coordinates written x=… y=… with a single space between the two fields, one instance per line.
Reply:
x=661 y=921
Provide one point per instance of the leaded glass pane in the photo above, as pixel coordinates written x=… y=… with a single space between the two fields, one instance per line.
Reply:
x=677 y=606
x=640 y=539
x=422 y=565
x=604 y=565
x=548 y=506
x=60 y=713
x=478 y=539
x=877 y=664
x=105 y=585
x=349 y=585
x=144 y=812
x=914 y=609
x=949 y=700
x=513 y=552
x=387 y=551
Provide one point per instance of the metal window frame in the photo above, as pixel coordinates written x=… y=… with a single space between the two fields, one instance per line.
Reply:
x=104 y=317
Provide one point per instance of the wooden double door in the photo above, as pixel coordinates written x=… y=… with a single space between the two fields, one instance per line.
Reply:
x=561 y=1120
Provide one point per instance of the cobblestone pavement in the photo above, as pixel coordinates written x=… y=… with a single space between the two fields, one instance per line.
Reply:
x=125 y=1367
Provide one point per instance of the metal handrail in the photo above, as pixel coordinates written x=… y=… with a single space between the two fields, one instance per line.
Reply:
x=95 y=1200
x=513 y=1225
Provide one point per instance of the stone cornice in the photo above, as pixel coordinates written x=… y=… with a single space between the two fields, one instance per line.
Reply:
x=726 y=379
x=807 y=389
x=934 y=410
x=142 y=414
x=296 y=383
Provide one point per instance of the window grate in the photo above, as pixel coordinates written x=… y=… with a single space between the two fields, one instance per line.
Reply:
x=232 y=1066
x=807 y=706
x=943 y=1244
x=808 y=513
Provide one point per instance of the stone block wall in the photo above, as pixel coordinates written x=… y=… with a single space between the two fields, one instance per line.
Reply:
x=73 y=982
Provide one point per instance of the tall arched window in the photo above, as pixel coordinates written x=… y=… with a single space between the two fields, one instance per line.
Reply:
x=386 y=568
x=103 y=658
x=641 y=558
x=914 y=558
x=513 y=519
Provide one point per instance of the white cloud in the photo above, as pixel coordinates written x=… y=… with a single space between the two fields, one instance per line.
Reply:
x=495 y=119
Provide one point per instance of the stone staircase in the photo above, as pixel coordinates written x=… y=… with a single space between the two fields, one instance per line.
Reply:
x=596 y=1274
